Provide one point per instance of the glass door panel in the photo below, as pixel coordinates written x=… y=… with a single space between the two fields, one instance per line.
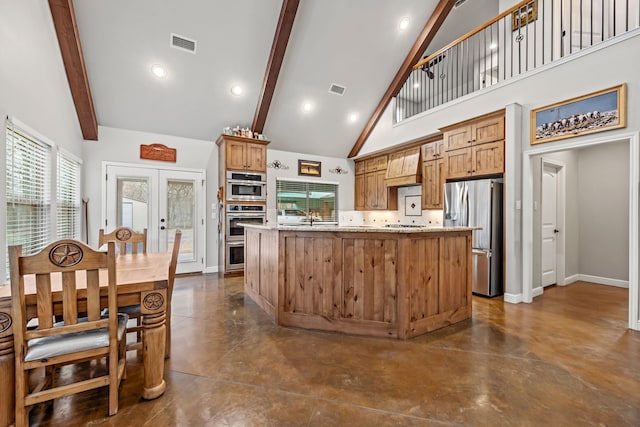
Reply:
x=180 y=209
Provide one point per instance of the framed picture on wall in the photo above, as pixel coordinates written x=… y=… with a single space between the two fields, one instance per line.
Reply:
x=525 y=15
x=594 y=112
x=309 y=168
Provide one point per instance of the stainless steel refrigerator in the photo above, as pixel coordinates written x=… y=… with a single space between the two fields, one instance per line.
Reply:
x=478 y=203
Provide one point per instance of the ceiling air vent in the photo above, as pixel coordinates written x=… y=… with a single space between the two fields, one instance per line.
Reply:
x=183 y=43
x=337 y=89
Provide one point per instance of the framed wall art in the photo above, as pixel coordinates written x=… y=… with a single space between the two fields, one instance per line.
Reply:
x=594 y=112
x=525 y=15
x=309 y=168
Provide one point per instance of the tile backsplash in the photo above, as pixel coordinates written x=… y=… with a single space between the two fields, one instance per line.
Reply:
x=428 y=217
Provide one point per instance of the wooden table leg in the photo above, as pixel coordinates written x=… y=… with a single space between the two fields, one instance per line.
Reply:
x=153 y=308
x=7 y=371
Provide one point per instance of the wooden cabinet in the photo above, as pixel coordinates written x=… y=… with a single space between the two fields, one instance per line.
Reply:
x=433 y=178
x=246 y=156
x=475 y=132
x=359 y=193
x=475 y=147
x=433 y=150
x=488 y=159
x=371 y=192
x=433 y=174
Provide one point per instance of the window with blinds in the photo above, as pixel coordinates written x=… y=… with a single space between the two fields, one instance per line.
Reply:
x=300 y=202
x=28 y=191
x=68 y=201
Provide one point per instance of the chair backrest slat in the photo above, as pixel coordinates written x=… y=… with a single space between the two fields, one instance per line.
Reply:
x=69 y=298
x=93 y=295
x=45 y=305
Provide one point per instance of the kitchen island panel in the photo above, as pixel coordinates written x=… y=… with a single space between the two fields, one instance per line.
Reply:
x=261 y=270
x=374 y=283
x=369 y=279
x=453 y=285
x=438 y=278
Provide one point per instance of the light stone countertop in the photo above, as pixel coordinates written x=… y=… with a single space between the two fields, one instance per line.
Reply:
x=359 y=228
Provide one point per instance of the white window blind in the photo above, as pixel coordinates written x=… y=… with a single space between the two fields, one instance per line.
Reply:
x=28 y=171
x=303 y=202
x=68 y=197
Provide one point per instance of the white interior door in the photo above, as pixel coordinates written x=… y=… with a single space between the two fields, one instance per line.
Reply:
x=549 y=218
x=160 y=200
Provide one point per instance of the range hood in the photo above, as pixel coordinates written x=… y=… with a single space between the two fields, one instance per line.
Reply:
x=404 y=168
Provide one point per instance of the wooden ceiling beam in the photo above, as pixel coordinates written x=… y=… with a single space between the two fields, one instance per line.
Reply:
x=417 y=50
x=276 y=56
x=64 y=21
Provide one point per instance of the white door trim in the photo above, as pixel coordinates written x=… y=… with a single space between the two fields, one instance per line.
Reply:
x=203 y=203
x=633 y=140
x=560 y=168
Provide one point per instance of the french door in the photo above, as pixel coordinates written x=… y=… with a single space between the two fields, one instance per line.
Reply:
x=162 y=201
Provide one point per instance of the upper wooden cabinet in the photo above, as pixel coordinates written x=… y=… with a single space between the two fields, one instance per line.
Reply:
x=474 y=132
x=475 y=147
x=243 y=154
x=433 y=150
x=359 y=193
x=371 y=192
x=433 y=174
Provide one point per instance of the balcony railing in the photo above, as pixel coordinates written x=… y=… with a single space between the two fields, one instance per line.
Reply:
x=530 y=34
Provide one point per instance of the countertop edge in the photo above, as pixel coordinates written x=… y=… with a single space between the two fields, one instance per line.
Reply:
x=359 y=229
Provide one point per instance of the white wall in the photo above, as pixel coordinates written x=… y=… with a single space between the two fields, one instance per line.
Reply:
x=603 y=206
x=123 y=146
x=33 y=83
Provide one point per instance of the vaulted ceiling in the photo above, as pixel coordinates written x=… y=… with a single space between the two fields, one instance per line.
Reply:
x=353 y=43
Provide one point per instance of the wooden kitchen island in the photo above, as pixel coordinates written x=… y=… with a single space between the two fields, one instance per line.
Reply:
x=391 y=282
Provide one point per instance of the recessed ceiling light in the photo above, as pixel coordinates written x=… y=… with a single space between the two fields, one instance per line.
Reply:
x=306 y=107
x=158 y=71
x=404 y=23
x=416 y=85
x=353 y=117
x=492 y=46
x=236 y=90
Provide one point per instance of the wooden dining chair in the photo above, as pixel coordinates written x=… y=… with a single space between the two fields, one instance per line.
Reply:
x=69 y=269
x=128 y=241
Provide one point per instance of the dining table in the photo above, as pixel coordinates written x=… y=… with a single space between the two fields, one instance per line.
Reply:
x=142 y=279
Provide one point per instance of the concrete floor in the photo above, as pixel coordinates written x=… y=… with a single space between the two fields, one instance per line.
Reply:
x=568 y=359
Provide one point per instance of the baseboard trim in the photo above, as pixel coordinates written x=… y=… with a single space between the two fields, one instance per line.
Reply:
x=213 y=269
x=512 y=298
x=569 y=280
x=537 y=292
x=601 y=280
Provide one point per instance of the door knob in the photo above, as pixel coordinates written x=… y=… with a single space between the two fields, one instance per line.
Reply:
x=556 y=231
x=162 y=227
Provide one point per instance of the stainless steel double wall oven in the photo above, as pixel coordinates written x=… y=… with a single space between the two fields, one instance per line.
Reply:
x=246 y=204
